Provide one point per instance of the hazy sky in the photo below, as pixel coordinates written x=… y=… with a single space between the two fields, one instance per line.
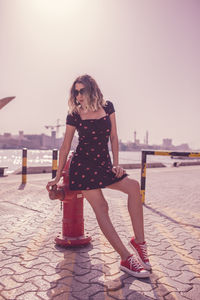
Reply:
x=145 y=56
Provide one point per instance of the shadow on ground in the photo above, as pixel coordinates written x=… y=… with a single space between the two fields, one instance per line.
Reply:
x=82 y=276
x=22 y=186
x=168 y=217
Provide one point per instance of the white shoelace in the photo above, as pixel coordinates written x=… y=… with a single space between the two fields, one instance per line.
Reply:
x=134 y=263
x=144 y=251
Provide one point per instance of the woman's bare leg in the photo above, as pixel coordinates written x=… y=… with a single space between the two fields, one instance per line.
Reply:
x=100 y=207
x=132 y=188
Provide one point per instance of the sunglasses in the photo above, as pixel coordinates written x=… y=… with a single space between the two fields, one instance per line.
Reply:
x=81 y=91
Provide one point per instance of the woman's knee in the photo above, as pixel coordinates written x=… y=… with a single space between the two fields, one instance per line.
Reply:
x=136 y=185
x=133 y=186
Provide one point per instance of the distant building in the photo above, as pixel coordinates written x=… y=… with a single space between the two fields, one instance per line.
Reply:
x=122 y=146
x=46 y=142
x=167 y=144
x=8 y=141
x=135 y=135
x=33 y=141
x=183 y=147
x=147 y=138
x=136 y=141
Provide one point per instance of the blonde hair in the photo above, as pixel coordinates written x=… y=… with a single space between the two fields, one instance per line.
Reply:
x=93 y=94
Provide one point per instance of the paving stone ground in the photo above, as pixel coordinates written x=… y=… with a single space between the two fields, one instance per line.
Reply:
x=33 y=267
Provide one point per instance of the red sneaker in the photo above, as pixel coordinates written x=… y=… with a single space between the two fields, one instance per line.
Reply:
x=141 y=251
x=132 y=266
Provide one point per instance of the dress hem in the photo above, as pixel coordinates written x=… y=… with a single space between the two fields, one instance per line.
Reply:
x=100 y=187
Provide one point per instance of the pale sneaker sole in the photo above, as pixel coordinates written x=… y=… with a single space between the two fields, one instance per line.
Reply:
x=142 y=274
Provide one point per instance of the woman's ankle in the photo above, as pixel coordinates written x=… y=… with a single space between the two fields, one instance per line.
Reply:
x=125 y=256
x=139 y=240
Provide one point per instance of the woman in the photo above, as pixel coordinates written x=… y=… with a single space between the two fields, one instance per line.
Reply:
x=91 y=169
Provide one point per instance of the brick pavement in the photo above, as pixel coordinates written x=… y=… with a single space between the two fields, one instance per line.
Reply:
x=33 y=267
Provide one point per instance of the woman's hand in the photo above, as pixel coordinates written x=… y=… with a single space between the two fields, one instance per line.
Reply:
x=119 y=171
x=51 y=183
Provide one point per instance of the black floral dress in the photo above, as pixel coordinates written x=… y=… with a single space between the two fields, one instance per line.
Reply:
x=91 y=166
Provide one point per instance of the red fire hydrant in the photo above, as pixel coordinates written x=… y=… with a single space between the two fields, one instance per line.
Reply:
x=73 y=221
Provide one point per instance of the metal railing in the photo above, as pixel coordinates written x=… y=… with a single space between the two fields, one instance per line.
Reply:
x=24 y=164
x=164 y=153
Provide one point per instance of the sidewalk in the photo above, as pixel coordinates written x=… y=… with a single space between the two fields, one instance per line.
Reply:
x=33 y=267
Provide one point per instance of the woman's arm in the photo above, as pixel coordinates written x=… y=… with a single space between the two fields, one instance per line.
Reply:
x=63 y=154
x=114 y=140
x=115 y=147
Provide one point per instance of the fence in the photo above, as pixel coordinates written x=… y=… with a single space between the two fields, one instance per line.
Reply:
x=154 y=152
x=24 y=164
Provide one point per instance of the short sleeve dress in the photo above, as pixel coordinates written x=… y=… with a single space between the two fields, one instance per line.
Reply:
x=91 y=166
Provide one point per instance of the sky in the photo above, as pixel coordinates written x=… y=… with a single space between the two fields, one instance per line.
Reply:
x=144 y=55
